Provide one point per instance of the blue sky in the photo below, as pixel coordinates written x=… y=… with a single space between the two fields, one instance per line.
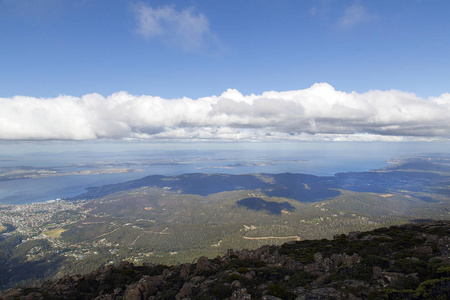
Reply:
x=57 y=47
x=80 y=54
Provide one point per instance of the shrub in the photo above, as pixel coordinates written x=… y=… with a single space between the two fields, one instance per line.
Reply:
x=280 y=291
x=376 y=261
x=260 y=264
x=301 y=278
x=235 y=276
x=443 y=271
x=221 y=291
x=356 y=272
x=409 y=266
x=438 y=289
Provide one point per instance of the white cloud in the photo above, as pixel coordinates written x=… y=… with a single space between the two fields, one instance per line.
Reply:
x=354 y=15
x=316 y=113
x=185 y=29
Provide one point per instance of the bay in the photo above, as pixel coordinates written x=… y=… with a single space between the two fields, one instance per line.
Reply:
x=322 y=159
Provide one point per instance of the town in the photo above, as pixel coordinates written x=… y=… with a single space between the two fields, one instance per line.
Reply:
x=35 y=220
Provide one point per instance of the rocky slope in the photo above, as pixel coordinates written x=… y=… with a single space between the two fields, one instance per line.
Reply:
x=400 y=262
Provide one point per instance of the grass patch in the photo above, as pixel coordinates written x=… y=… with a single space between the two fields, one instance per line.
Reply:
x=54 y=233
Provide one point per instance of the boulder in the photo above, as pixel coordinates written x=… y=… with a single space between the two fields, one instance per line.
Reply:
x=423 y=250
x=186 y=291
x=235 y=285
x=203 y=264
x=147 y=286
x=186 y=270
x=270 y=297
x=376 y=272
x=241 y=294
x=207 y=284
x=197 y=279
x=353 y=235
x=322 y=279
x=387 y=278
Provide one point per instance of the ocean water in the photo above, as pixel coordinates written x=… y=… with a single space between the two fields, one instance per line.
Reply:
x=322 y=159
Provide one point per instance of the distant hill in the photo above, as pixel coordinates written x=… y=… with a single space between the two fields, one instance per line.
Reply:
x=400 y=262
x=301 y=187
x=421 y=165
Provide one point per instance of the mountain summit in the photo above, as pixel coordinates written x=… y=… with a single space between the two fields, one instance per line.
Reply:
x=410 y=261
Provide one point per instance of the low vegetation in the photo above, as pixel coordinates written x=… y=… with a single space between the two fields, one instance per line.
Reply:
x=399 y=262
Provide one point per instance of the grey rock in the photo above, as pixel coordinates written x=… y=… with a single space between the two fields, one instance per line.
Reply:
x=423 y=250
x=270 y=297
x=387 y=278
x=327 y=292
x=352 y=297
x=322 y=279
x=376 y=272
x=145 y=287
x=353 y=235
x=207 y=284
x=197 y=279
x=203 y=264
x=235 y=285
x=318 y=258
x=185 y=292
x=186 y=270
x=241 y=294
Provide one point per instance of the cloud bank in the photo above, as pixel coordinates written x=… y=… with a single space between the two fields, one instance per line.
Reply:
x=316 y=113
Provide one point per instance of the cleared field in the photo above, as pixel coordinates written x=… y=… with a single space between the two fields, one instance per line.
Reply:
x=55 y=233
x=294 y=237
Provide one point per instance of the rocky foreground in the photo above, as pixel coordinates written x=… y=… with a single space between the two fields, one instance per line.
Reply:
x=400 y=262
